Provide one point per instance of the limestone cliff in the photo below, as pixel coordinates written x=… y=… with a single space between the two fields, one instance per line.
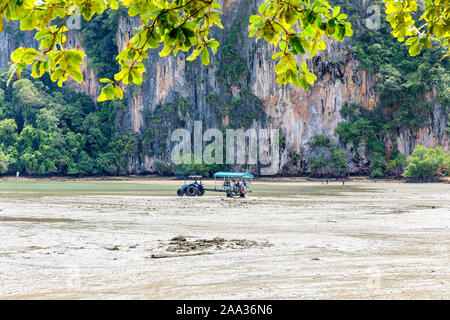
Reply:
x=209 y=92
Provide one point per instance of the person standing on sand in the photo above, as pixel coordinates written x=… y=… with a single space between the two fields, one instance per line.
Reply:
x=343 y=181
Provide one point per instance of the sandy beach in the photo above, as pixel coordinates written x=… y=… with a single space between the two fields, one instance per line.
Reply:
x=135 y=239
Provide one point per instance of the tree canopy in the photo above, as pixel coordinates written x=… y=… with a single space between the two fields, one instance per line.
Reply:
x=435 y=21
x=293 y=27
x=48 y=130
x=427 y=163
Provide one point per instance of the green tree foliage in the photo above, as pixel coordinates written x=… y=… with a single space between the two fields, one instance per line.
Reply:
x=326 y=158
x=397 y=164
x=5 y=161
x=8 y=132
x=372 y=128
x=378 y=165
x=293 y=27
x=448 y=123
x=426 y=163
x=356 y=130
x=47 y=130
x=418 y=32
x=231 y=67
x=98 y=36
x=404 y=86
x=404 y=81
x=278 y=23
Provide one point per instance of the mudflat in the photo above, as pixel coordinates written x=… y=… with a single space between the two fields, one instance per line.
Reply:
x=288 y=239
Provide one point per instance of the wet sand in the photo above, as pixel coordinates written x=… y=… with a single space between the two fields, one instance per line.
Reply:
x=289 y=239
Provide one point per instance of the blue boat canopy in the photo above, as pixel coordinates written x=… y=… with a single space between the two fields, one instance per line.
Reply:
x=233 y=175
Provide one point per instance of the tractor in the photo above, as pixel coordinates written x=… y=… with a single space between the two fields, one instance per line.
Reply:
x=195 y=188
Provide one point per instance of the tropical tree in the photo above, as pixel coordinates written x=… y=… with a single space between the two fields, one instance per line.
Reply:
x=427 y=162
x=397 y=164
x=326 y=158
x=5 y=161
x=8 y=132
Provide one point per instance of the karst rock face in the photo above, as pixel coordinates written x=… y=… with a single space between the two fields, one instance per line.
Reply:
x=238 y=90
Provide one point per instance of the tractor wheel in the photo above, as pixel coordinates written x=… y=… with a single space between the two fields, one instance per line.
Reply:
x=242 y=195
x=229 y=195
x=180 y=192
x=191 y=191
x=201 y=192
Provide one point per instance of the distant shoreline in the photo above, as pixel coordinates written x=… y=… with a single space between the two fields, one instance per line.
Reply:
x=174 y=178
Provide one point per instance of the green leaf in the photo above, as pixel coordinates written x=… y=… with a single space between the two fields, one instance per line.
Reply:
x=415 y=49
x=304 y=67
x=166 y=51
x=205 y=57
x=254 y=19
x=297 y=45
x=136 y=76
x=193 y=56
x=336 y=11
x=277 y=55
x=108 y=93
x=76 y=75
x=113 y=4
x=310 y=78
x=303 y=82
x=213 y=44
x=119 y=92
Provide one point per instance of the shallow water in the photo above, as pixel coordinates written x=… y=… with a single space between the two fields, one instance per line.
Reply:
x=95 y=239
